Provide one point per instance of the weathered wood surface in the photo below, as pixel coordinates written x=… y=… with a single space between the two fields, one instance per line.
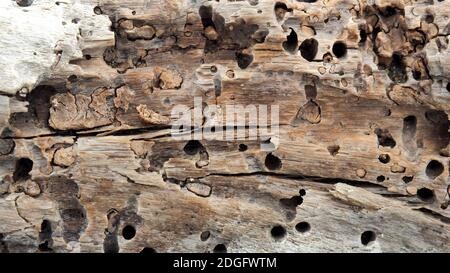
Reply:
x=360 y=163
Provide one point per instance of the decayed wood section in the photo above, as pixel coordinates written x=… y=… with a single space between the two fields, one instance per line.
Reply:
x=360 y=163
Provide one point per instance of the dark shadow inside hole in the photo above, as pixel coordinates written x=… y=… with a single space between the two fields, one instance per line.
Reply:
x=381 y=178
x=385 y=138
x=45 y=236
x=280 y=10
x=448 y=87
x=23 y=169
x=205 y=235
x=24 y=3
x=362 y=34
x=206 y=14
x=339 y=49
x=407 y=179
x=220 y=248
x=367 y=237
x=308 y=49
x=243 y=59
x=302 y=192
x=434 y=169
x=397 y=69
x=384 y=158
x=303 y=227
x=272 y=162
x=242 y=147
x=278 y=232
x=192 y=147
x=148 y=250
x=333 y=149
x=128 y=232
x=310 y=92
x=425 y=194
x=291 y=42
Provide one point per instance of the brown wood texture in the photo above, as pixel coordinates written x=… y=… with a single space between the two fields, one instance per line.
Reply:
x=360 y=162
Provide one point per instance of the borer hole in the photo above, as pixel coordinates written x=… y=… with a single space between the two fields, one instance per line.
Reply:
x=425 y=194
x=339 y=49
x=23 y=169
x=220 y=248
x=205 y=235
x=434 y=169
x=367 y=237
x=128 y=232
x=384 y=158
x=272 y=162
x=278 y=232
x=308 y=49
x=192 y=147
x=303 y=227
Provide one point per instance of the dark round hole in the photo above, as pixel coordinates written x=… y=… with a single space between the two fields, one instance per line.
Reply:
x=448 y=86
x=23 y=169
x=220 y=248
x=72 y=78
x=205 y=235
x=425 y=194
x=381 y=178
x=272 y=162
x=243 y=59
x=213 y=69
x=302 y=192
x=407 y=179
x=128 y=232
x=367 y=237
x=278 y=232
x=24 y=3
x=339 y=49
x=429 y=18
x=44 y=246
x=98 y=10
x=148 y=250
x=308 y=49
x=291 y=42
x=87 y=57
x=192 y=147
x=434 y=169
x=303 y=227
x=242 y=147
x=384 y=158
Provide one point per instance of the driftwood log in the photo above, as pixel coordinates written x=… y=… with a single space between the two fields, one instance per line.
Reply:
x=359 y=161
